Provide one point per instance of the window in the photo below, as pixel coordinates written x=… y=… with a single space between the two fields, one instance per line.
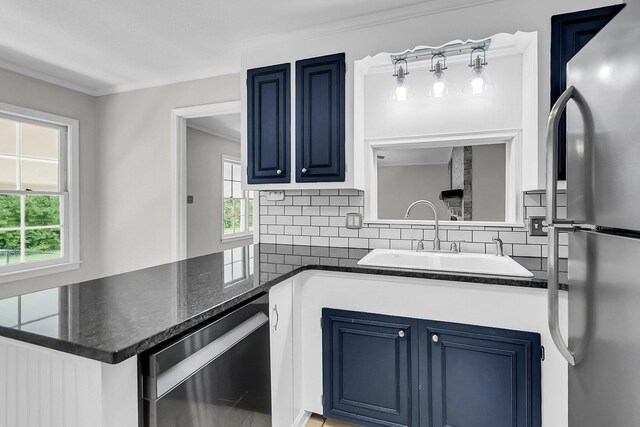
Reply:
x=237 y=218
x=238 y=264
x=38 y=210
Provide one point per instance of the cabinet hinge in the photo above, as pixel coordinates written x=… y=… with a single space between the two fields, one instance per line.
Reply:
x=542 y=355
x=321 y=323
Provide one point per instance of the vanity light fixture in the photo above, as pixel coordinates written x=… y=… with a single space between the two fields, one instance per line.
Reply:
x=439 y=86
x=479 y=81
x=400 y=71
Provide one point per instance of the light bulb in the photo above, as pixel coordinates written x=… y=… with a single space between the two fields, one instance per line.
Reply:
x=438 y=89
x=477 y=83
x=401 y=92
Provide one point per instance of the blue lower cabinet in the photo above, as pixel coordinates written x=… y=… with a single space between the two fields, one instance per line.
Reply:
x=395 y=371
x=479 y=377
x=370 y=368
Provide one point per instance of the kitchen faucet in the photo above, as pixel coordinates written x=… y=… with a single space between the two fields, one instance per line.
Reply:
x=436 y=240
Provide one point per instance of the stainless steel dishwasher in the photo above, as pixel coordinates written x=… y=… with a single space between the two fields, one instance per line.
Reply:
x=217 y=376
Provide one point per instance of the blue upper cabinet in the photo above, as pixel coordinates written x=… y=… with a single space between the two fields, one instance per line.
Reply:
x=269 y=124
x=320 y=119
x=478 y=376
x=370 y=362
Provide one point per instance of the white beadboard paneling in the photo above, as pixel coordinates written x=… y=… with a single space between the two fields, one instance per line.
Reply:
x=46 y=388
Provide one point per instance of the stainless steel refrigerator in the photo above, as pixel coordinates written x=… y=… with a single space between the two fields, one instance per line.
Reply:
x=603 y=224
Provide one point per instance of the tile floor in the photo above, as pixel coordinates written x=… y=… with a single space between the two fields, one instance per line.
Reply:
x=320 y=421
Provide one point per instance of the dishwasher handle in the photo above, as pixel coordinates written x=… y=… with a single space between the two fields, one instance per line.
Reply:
x=186 y=368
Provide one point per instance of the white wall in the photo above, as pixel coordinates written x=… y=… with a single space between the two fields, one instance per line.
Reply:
x=487 y=182
x=399 y=186
x=134 y=130
x=498 y=108
x=204 y=182
x=432 y=29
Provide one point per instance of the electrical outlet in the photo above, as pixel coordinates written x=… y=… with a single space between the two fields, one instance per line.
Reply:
x=275 y=196
x=537 y=226
x=354 y=221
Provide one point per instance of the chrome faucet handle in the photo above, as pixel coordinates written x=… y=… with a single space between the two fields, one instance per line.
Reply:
x=499 y=246
x=454 y=247
x=420 y=245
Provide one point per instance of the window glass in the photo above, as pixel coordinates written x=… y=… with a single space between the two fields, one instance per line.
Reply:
x=9 y=211
x=41 y=210
x=237 y=204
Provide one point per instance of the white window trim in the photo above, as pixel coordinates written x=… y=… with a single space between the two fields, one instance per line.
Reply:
x=70 y=215
x=235 y=236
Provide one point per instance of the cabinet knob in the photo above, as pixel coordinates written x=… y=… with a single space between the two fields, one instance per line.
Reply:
x=304 y=170
x=434 y=338
x=278 y=172
x=401 y=334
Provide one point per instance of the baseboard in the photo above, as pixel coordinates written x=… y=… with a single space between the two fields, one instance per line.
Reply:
x=302 y=419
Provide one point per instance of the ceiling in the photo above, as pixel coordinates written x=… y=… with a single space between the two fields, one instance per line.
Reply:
x=414 y=156
x=226 y=126
x=99 y=46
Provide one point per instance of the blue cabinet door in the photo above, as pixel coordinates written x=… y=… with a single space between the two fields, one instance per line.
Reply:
x=370 y=368
x=320 y=119
x=479 y=377
x=269 y=124
x=570 y=32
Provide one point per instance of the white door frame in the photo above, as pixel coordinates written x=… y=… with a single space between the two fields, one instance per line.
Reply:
x=179 y=118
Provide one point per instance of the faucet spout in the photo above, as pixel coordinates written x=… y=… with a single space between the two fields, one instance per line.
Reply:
x=436 y=240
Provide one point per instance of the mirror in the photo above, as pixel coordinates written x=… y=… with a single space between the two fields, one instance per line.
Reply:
x=466 y=183
x=453 y=124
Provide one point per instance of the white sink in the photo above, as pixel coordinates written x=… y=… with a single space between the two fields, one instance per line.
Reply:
x=445 y=261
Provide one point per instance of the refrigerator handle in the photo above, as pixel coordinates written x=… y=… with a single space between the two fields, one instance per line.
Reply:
x=553 y=295
x=554 y=224
x=552 y=149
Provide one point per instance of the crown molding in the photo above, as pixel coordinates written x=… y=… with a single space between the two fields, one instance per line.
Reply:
x=430 y=7
x=47 y=78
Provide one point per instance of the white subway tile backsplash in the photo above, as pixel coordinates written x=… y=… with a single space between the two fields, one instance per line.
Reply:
x=284 y=220
x=358 y=243
x=329 y=231
x=513 y=236
x=339 y=201
x=527 y=250
x=311 y=210
x=379 y=243
x=292 y=210
x=459 y=236
x=310 y=231
x=389 y=233
x=329 y=211
x=317 y=218
x=347 y=232
x=339 y=242
x=369 y=233
x=303 y=220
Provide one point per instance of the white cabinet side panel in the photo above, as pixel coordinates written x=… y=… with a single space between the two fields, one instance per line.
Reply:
x=281 y=344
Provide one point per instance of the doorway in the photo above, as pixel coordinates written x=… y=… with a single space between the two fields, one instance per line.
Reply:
x=211 y=211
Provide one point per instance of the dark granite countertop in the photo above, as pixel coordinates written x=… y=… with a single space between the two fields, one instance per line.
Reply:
x=116 y=317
